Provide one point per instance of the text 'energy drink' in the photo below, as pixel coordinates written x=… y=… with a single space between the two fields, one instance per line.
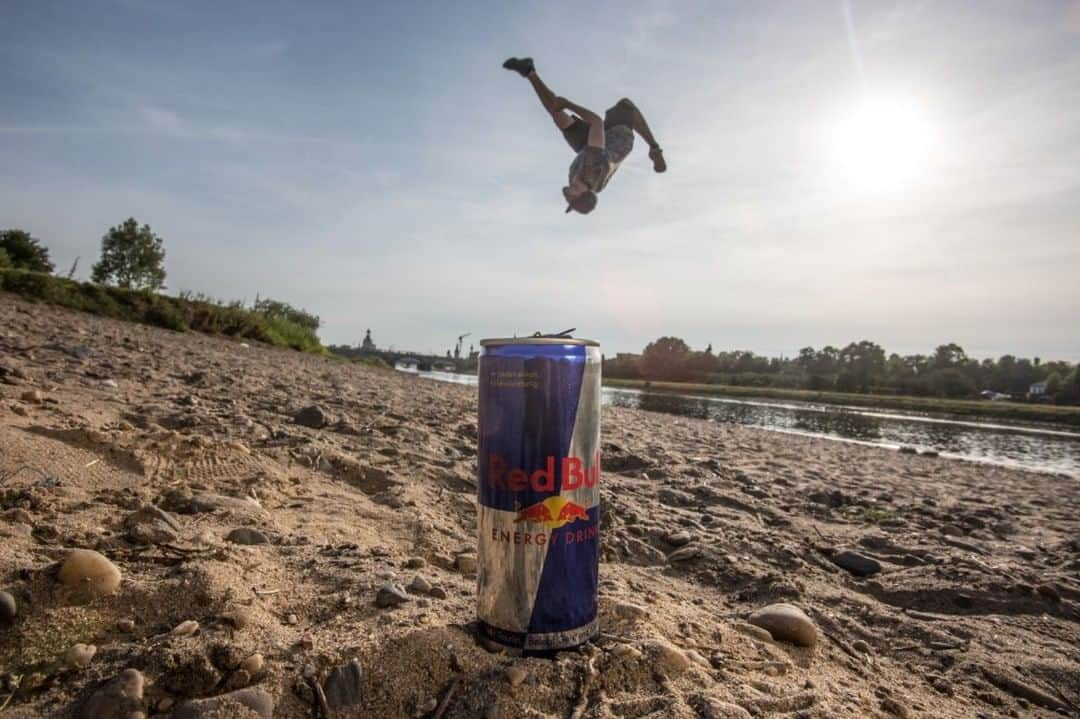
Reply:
x=539 y=492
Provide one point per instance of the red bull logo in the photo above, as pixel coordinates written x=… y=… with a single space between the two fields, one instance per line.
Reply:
x=553 y=512
x=574 y=474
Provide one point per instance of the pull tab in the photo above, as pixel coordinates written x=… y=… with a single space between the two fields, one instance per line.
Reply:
x=565 y=334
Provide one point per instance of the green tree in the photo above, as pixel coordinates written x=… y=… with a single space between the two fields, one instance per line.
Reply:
x=131 y=257
x=25 y=252
x=665 y=359
x=285 y=311
x=5 y=259
x=1053 y=384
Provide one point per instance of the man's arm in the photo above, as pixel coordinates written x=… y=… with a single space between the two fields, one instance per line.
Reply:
x=595 y=122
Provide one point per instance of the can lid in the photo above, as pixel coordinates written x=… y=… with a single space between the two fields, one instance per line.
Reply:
x=498 y=341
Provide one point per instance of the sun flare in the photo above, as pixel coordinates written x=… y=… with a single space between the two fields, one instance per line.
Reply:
x=883 y=144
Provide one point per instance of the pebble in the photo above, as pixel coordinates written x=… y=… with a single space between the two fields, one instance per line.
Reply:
x=253 y=664
x=165 y=704
x=786 y=622
x=257 y=700
x=125 y=625
x=515 y=675
x=109 y=383
x=629 y=612
x=8 y=608
x=239 y=678
x=415 y=562
x=437 y=592
x=33 y=396
x=151 y=525
x=391 y=595
x=420 y=585
x=860 y=646
x=679 y=539
x=343 y=686
x=247 y=535
x=120 y=698
x=684 y=554
x=466 y=563
x=186 y=628
x=626 y=651
x=425 y=708
x=237 y=616
x=89 y=572
x=80 y=655
x=668 y=657
x=894 y=707
x=712 y=708
x=858 y=564
x=312 y=416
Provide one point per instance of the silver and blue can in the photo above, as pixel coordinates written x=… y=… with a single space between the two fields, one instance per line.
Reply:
x=539 y=492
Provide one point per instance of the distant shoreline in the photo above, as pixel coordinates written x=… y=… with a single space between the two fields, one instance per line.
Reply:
x=1017 y=411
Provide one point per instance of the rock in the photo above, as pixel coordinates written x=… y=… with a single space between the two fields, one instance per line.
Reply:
x=391 y=595
x=675 y=497
x=426 y=707
x=8 y=608
x=125 y=625
x=684 y=554
x=80 y=655
x=629 y=612
x=515 y=675
x=668 y=657
x=185 y=629
x=858 y=564
x=753 y=631
x=626 y=651
x=119 y=698
x=151 y=525
x=415 y=562
x=679 y=539
x=908 y=450
x=437 y=592
x=712 y=708
x=109 y=384
x=247 y=535
x=466 y=563
x=312 y=416
x=343 y=686
x=253 y=664
x=91 y=574
x=239 y=617
x=895 y=707
x=33 y=396
x=419 y=585
x=255 y=699
x=787 y=623
x=239 y=678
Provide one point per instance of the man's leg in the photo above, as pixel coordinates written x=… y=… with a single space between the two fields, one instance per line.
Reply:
x=626 y=112
x=525 y=68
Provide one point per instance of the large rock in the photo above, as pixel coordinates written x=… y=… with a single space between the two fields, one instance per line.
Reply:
x=8 y=608
x=247 y=535
x=119 y=698
x=314 y=416
x=90 y=573
x=255 y=699
x=343 y=686
x=391 y=595
x=786 y=623
x=151 y=525
x=858 y=564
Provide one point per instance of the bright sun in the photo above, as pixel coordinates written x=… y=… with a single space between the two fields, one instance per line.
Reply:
x=885 y=144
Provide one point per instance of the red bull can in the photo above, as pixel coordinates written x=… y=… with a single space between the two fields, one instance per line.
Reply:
x=539 y=492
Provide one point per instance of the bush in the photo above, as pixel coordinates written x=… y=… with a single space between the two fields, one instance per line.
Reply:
x=24 y=252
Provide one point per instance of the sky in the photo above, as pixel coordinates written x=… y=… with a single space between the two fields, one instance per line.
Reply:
x=904 y=172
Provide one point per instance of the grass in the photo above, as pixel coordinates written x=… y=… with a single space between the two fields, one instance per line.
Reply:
x=182 y=314
x=973 y=409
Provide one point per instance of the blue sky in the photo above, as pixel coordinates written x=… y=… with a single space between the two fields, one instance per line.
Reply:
x=374 y=164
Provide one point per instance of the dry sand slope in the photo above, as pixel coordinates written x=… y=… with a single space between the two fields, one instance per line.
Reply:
x=152 y=447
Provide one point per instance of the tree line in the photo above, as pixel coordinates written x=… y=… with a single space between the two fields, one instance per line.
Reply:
x=860 y=367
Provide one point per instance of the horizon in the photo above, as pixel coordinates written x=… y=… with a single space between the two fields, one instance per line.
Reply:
x=903 y=174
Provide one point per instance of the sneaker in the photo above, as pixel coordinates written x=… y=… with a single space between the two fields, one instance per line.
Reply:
x=657 y=157
x=521 y=65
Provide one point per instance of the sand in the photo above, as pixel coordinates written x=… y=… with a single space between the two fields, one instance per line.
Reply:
x=973 y=610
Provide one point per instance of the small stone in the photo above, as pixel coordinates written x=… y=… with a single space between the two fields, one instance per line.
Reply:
x=426 y=707
x=109 y=384
x=437 y=592
x=515 y=675
x=90 y=573
x=626 y=651
x=753 y=631
x=908 y=450
x=185 y=629
x=257 y=700
x=343 y=687
x=119 y=698
x=253 y=664
x=166 y=704
x=33 y=396
x=786 y=622
x=679 y=539
x=419 y=585
x=1049 y=591
x=894 y=707
x=684 y=554
x=238 y=679
x=860 y=646
x=858 y=564
x=713 y=708
x=151 y=525
x=466 y=563
x=247 y=535
x=415 y=562
x=239 y=617
x=80 y=655
x=391 y=595
x=312 y=416
x=306 y=643
x=668 y=657
x=292 y=619
x=8 y=608
x=629 y=612
x=125 y=625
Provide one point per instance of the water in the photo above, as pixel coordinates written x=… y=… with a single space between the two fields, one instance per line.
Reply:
x=1033 y=447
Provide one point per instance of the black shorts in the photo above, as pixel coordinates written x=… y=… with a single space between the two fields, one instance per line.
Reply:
x=577 y=132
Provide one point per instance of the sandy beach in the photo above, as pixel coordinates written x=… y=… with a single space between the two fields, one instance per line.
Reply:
x=295 y=535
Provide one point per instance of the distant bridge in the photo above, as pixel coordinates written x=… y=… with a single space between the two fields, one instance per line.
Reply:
x=422 y=362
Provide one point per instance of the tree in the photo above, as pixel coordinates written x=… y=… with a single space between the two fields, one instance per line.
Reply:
x=1053 y=384
x=24 y=252
x=664 y=359
x=5 y=259
x=132 y=257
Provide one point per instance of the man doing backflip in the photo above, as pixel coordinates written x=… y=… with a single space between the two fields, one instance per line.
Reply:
x=601 y=144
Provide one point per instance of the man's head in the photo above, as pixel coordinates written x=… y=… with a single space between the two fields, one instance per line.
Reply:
x=581 y=199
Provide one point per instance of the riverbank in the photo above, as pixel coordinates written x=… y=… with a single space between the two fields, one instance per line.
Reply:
x=274 y=515
x=974 y=409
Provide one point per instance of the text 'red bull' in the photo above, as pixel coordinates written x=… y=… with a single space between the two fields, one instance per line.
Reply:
x=574 y=473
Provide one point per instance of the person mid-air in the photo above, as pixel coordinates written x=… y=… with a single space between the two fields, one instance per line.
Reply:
x=601 y=144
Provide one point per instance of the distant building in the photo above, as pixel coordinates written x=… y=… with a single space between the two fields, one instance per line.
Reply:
x=368 y=345
x=1038 y=389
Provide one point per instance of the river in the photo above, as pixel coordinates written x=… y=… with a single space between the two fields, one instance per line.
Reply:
x=1033 y=447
